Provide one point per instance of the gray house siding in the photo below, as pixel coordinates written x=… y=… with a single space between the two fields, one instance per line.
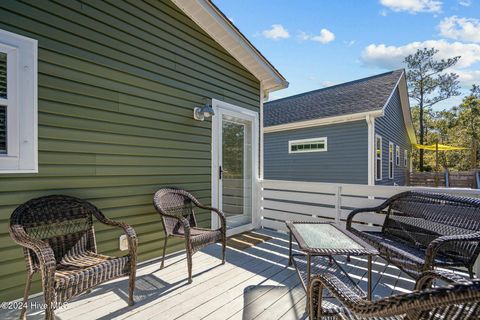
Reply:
x=346 y=160
x=392 y=129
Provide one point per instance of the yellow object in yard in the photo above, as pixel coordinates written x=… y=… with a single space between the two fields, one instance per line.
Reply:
x=439 y=147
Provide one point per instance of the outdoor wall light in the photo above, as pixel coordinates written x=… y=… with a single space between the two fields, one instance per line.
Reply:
x=200 y=113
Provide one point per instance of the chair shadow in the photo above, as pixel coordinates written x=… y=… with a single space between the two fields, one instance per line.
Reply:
x=253 y=306
x=148 y=288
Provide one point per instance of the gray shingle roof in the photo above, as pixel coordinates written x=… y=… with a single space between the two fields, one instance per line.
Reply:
x=363 y=95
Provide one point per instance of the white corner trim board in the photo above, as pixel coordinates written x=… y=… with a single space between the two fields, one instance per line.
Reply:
x=371 y=149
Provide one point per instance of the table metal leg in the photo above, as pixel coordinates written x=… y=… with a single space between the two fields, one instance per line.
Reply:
x=290 y=250
x=369 y=284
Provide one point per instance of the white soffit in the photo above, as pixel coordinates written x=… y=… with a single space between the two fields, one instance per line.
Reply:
x=217 y=25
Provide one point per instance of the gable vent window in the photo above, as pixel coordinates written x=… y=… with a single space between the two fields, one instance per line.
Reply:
x=307 y=145
x=18 y=103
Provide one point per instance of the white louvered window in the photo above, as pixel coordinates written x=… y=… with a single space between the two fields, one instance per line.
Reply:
x=3 y=103
x=18 y=103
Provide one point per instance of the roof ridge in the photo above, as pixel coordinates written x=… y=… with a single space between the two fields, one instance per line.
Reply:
x=334 y=86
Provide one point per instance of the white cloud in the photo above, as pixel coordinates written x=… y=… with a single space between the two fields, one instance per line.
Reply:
x=350 y=43
x=391 y=57
x=413 y=6
x=465 y=3
x=324 y=37
x=327 y=83
x=468 y=77
x=276 y=32
x=463 y=29
x=383 y=12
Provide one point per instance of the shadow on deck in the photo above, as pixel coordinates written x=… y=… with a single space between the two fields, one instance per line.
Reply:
x=254 y=284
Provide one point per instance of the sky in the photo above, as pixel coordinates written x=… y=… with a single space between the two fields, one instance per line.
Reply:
x=319 y=43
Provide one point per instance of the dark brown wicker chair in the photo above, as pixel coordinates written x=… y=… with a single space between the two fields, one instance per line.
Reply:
x=424 y=230
x=176 y=207
x=459 y=299
x=58 y=240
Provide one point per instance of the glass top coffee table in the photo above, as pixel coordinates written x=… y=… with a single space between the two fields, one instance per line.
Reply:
x=320 y=242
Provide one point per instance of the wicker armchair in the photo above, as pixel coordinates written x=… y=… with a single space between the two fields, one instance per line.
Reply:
x=176 y=207
x=424 y=230
x=459 y=299
x=58 y=240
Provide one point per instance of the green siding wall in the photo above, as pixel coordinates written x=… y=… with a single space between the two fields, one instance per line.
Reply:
x=118 y=81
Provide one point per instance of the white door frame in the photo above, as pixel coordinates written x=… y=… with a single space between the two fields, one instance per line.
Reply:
x=221 y=107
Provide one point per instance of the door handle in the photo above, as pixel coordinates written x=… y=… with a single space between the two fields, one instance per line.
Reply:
x=220 y=172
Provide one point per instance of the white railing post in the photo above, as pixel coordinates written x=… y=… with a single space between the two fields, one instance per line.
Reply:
x=338 y=204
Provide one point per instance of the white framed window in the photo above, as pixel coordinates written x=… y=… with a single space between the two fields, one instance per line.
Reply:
x=378 y=157
x=390 y=160
x=405 y=158
x=18 y=103
x=397 y=156
x=307 y=145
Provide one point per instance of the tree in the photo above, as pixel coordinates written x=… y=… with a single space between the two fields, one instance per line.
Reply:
x=428 y=84
x=469 y=119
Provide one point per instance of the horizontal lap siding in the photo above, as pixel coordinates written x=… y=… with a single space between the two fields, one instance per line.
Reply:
x=118 y=81
x=392 y=128
x=344 y=162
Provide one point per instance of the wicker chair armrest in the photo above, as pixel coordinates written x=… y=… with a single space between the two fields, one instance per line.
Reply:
x=359 y=210
x=328 y=281
x=127 y=229
x=426 y=279
x=220 y=214
x=436 y=244
x=42 y=250
x=400 y=304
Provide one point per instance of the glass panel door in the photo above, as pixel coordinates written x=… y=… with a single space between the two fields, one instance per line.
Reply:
x=236 y=168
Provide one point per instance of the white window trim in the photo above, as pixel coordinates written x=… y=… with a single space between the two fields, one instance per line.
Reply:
x=397 y=155
x=22 y=96
x=290 y=142
x=391 y=154
x=379 y=158
x=405 y=158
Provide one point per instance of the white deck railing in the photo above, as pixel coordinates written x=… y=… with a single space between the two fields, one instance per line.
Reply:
x=312 y=201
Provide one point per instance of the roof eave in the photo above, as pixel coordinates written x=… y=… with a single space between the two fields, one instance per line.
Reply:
x=323 y=121
x=205 y=14
x=405 y=102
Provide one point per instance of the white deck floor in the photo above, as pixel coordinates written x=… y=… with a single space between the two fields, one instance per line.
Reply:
x=253 y=284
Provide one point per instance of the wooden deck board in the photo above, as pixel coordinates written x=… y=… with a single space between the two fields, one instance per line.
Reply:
x=255 y=283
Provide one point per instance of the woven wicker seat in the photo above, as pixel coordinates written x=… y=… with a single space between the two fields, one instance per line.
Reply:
x=459 y=299
x=424 y=230
x=176 y=207
x=58 y=239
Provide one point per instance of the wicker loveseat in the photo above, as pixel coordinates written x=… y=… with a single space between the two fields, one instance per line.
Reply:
x=58 y=240
x=458 y=299
x=424 y=230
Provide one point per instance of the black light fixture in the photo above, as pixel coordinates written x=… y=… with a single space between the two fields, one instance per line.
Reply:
x=206 y=111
